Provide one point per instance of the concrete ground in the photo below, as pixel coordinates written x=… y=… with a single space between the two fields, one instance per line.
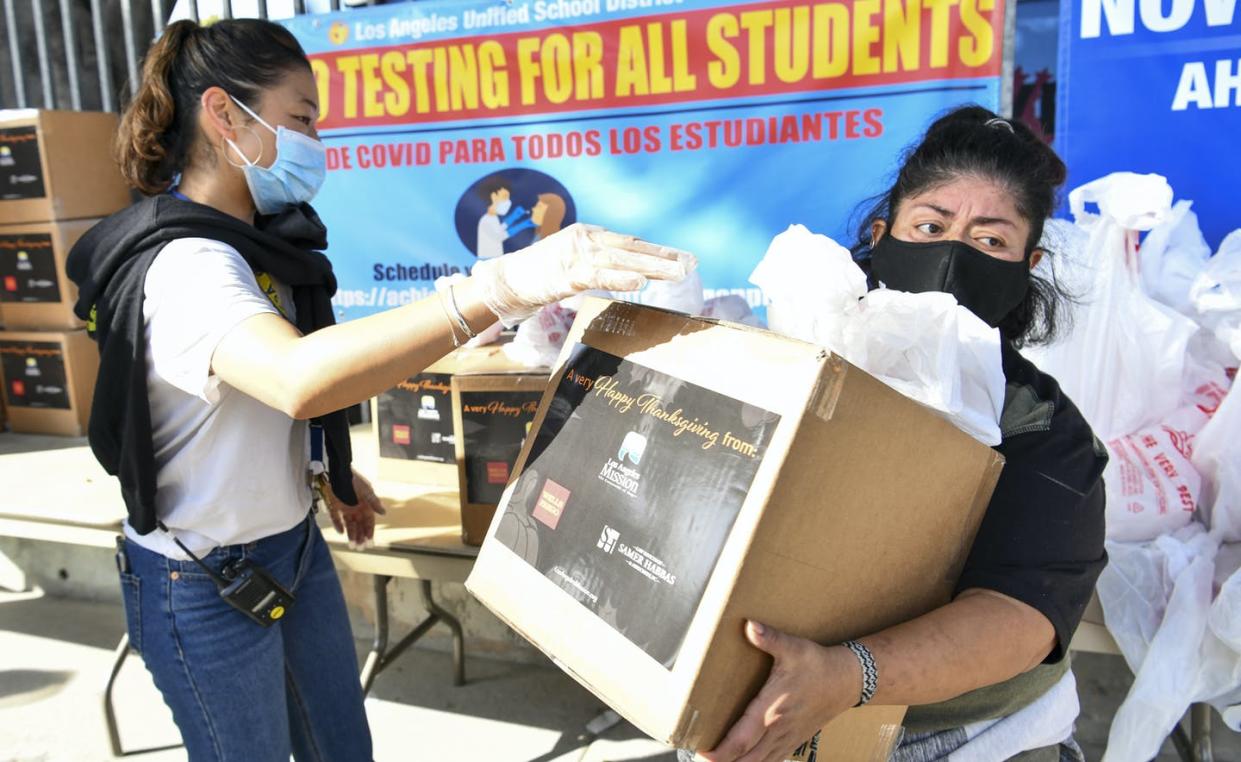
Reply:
x=55 y=654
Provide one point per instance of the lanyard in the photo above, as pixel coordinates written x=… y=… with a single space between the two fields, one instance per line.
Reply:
x=317 y=466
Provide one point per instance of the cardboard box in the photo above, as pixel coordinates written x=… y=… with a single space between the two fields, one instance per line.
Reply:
x=49 y=380
x=867 y=734
x=492 y=414
x=685 y=475
x=34 y=290
x=414 y=422
x=57 y=165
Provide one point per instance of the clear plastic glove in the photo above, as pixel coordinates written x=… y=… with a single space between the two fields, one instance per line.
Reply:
x=576 y=259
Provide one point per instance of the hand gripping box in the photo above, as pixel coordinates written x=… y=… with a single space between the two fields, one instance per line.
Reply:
x=57 y=165
x=684 y=475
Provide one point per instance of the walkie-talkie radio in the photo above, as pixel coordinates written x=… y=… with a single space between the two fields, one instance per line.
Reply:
x=254 y=592
x=246 y=586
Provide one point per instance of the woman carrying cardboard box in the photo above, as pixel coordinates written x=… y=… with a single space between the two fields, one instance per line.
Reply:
x=986 y=675
x=223 y=382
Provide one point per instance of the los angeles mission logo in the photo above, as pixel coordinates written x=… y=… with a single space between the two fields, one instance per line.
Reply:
x=622 y=473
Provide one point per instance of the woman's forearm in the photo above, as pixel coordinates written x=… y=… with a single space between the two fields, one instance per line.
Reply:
x=979 y=639
x=351 y=362
x=343 y=364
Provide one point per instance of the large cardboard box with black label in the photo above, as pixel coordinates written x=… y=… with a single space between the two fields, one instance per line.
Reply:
x=684 y=475
x=414 y=421
x=492 y=414
x=34 y=290
x=57 y=165
x=49 y=380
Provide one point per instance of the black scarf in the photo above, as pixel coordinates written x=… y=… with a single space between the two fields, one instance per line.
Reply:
x=110 y=265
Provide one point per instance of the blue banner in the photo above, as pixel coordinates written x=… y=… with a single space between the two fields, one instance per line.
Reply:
x=1155 y=86
x=464 y=129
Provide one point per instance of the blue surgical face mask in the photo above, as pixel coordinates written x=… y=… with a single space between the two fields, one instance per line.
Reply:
x=503 y=205
x=293 y=178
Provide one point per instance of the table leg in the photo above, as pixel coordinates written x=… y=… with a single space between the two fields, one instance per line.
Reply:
x=109 y=711
x=602 y=723
x=381 y=656
x=1200 y=732
x=458 y=636
x=375 y=659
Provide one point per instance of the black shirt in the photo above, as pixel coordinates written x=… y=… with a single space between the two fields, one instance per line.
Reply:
x=1041 y=540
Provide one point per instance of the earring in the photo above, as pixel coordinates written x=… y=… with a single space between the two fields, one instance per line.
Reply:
x=236 y=148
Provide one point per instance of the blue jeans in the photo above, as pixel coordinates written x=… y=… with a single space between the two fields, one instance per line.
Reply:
x=240 y=692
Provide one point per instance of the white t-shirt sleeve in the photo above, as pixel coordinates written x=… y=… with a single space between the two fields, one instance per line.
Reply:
x=197 y=290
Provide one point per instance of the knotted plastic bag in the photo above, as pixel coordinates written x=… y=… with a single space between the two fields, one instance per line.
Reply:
x=926 y=346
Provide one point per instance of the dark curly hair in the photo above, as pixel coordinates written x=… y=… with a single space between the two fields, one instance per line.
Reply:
x=972 y=141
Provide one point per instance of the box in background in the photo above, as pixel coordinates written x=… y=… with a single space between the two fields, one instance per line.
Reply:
x=413 y=421
x=34 y=290
x=492 y=414
x=685 y=476
x=57 y=165
x=49 y=380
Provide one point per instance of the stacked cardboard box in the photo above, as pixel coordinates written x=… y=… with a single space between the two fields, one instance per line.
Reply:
x=683 y=476
x=34 y=292
x=49 y=379
x=57 y=178
x=459 y=425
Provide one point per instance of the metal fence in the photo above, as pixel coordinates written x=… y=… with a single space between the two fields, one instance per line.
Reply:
x=87 y=54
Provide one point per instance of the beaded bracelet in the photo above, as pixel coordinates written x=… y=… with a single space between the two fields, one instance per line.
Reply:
x=870 y=671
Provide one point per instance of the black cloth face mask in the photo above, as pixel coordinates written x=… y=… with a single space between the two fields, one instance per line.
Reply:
x=986 y=286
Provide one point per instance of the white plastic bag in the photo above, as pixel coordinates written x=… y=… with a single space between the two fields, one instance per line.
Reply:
x=925 y=346
x=1171 y=257
x=1174 y=607
x=730 y=308
x=1217 y=456
x=684 y=295
x=1124 y=361
x=931 y=349
x=1156 y=599
x=1216 y=293
x=1224 y=622
x=810 y=282
x=1152 y=486
x=540 y=337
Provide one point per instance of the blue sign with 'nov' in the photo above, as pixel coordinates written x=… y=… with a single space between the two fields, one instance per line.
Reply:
x=1155 y=86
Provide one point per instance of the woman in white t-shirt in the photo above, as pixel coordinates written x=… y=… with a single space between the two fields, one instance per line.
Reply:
x=223 y=380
